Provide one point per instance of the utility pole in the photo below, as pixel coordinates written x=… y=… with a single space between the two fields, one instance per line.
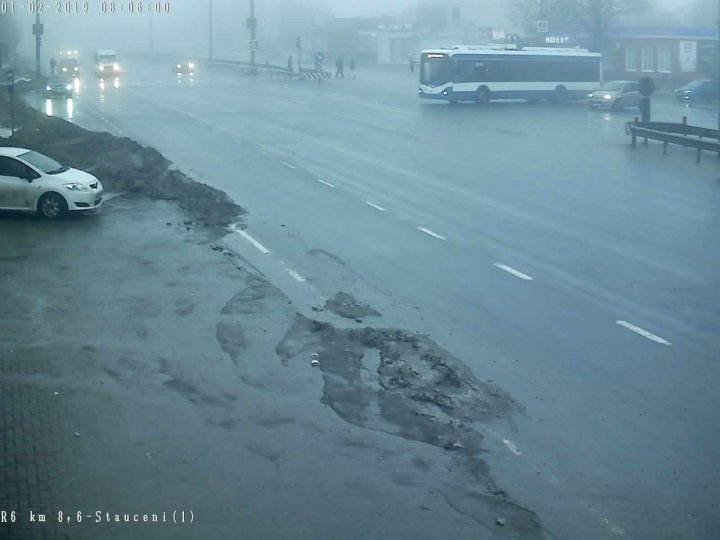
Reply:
x=38 y=31
x=152 y=36
x=718 y=77
x=252 y=26
x=210 y=31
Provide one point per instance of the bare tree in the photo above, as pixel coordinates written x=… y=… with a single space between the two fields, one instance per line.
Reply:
x=596 y=15
x=528 y=12
x=9 y=38
x=593 y=16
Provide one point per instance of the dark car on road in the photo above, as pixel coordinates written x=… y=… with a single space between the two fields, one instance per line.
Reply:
x=58 y=87
x=699 y=90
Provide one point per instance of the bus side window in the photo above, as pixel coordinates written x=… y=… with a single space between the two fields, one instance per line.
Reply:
x=479 y=71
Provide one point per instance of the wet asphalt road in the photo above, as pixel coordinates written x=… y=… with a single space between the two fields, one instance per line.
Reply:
x=437 y=215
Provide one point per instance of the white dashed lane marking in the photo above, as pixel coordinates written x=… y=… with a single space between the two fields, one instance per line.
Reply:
x=643 y=333
x=434 y=235
x=288 y=165
x=375 y=206
x=295 y=275
x=511 y=446
x=250 y=239
x=324 y=182
x=512 y=271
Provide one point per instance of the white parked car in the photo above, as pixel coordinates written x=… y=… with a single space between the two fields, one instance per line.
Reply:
x=34 y=182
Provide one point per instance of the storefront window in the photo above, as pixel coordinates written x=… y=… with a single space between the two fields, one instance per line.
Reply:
x=664 y=62
x=630 y=59
x=648 y=59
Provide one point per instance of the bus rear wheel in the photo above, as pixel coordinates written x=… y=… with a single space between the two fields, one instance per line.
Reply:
x=482 y=96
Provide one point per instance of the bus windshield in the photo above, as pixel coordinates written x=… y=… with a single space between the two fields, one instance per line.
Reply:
x=435 y=69
x=106 y=59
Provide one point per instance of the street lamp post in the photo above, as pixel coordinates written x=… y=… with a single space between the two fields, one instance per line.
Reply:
x=253 y=32
x=210 y=29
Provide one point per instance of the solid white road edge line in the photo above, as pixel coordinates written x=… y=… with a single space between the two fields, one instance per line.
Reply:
x=512 y=271
x=643 y=333
x=434 y=235
x=250 y=239
x=375 y=206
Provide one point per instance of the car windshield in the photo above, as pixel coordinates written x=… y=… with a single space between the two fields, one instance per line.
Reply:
x=612 y=86
x=42 y=162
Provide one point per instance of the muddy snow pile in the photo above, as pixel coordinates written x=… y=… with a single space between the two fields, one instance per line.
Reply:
x=121 y=164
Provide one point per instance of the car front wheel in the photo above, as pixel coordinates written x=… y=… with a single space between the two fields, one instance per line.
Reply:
x=52 y=206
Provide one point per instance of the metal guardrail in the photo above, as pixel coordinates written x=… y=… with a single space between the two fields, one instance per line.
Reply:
x=681 y=134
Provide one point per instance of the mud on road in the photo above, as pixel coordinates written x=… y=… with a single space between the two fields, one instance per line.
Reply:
x=161 y=325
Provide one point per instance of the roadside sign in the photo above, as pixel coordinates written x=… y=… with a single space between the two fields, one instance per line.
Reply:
x=543 y=27
x=253 y=44
x=37 y=29
x=10 y=81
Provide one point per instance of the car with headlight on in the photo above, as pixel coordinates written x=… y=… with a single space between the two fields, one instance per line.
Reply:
x=33 y=182
x=106 y=63
x=699 y=90
x=184 y=68
x=58 y=87
x=69 y=67
x=616 y=95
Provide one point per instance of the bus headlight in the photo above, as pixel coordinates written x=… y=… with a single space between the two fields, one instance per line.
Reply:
x=607 y=96
x=191 y=65
x=116 y=67
x=102 y=68
x=64 y=69
x=48 y=88
x=590 y=95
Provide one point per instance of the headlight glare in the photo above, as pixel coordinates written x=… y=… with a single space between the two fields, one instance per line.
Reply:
x=76 y=187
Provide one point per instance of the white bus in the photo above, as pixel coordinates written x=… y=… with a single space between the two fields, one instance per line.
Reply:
x=480 y=74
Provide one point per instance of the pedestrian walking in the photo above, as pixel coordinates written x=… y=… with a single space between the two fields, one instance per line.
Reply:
x=52 y=66
x=352 y=67
x=411 y=62
x=339 y=65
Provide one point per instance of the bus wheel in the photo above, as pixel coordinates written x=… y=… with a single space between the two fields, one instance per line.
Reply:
x=482 y=96
x=560 y=95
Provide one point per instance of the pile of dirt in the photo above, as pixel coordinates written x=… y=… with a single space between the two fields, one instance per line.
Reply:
x=406 y=385
x=121 y=164
x=345 y=305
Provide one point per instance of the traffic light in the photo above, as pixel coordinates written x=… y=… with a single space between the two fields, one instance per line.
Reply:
x=297 y=42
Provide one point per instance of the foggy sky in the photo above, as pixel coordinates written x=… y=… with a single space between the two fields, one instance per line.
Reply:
x=185 y=29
